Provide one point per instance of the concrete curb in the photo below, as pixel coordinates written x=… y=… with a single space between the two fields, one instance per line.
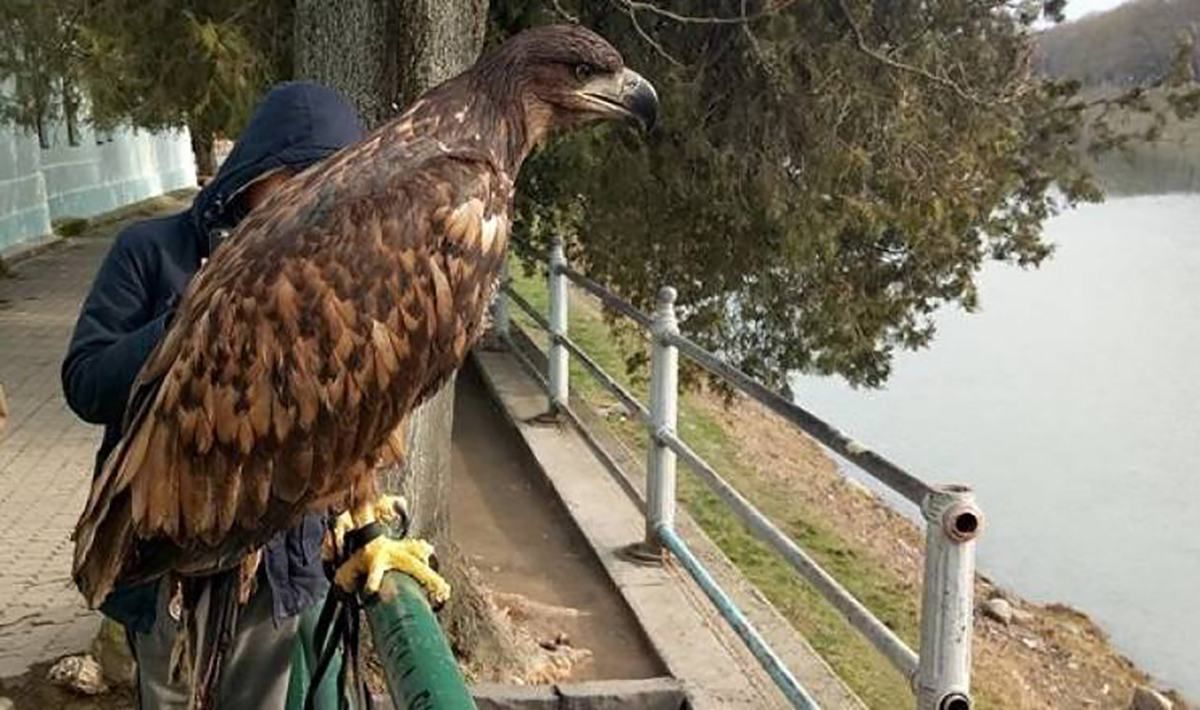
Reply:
x=647 y=694
x=29 y=248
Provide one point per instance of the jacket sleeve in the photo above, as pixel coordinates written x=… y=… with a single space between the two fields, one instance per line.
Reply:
x=116 y=330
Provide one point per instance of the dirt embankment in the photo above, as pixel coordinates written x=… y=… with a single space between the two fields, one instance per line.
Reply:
x=1045 y=656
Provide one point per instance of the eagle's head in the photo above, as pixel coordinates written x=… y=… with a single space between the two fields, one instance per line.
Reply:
x=566 y=75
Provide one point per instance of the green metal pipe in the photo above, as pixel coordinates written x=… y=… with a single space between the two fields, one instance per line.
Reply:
x=422 y=673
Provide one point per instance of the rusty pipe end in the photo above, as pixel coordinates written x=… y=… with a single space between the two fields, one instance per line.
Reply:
x=962 y=522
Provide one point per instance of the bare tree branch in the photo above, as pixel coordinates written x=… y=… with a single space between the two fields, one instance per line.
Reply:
x=562 y=12
x=861 y=42
x=634 y=6
x=650 y=40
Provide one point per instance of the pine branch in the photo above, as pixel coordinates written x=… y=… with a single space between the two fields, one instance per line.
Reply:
x=944 y=81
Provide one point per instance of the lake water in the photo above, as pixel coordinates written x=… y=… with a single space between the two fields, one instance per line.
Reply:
x=1071 y=402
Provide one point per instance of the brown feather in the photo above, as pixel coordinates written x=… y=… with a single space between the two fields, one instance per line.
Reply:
x=228 y=494
x=189 y=420
x=138 y=447
x=225 y=416
x=290 y=481
x=259 y=415
x=162 y=510
x=172 y=498
x=443 y=299
x=199 y=512
x=256 y=490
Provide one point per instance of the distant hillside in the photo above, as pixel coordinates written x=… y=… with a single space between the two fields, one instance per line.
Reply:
x=1132 y=44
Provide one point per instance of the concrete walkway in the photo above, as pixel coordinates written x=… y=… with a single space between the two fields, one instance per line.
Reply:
x=45 y=459
x=696 y=645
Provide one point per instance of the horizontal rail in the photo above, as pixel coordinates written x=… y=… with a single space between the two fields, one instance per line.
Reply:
x=888 y=473
x=881 y=637
x=771 y=663
x=882 y=469
x=526 y=306
x=631 y=403
x=614 y=467
x=608 y=298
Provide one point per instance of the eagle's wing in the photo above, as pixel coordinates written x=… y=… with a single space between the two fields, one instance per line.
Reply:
x=337 y=307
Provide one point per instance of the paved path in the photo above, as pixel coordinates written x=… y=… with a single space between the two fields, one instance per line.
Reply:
x=45 y=459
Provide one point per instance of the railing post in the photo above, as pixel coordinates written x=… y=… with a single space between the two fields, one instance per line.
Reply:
x=664 y=412
x=947 y=606
x=500 y=323
x=559 y=391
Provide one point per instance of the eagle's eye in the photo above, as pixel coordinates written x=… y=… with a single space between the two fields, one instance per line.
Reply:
x=584 y=71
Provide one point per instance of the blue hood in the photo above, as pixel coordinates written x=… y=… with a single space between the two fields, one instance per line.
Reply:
x=295 y=125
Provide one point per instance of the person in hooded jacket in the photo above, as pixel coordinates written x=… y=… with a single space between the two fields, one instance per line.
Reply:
x=125 y=315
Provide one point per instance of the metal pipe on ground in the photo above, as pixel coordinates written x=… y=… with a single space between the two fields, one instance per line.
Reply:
x=771 y=663
x=881 y=637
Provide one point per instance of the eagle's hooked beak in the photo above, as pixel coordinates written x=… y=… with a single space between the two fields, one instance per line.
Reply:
x=625 y=94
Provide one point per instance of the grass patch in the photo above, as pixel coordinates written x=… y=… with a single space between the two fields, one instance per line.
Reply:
x=70 y=226
x=864 y=670
x=103 y=225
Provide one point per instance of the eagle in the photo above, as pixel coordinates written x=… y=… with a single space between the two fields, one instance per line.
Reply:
x=333 y=310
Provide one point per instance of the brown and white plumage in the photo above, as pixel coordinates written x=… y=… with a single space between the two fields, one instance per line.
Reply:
x=336 y=307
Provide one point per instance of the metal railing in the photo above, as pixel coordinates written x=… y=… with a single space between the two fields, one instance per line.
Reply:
x=940 y=672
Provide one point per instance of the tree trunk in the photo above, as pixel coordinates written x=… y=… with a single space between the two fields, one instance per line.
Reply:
x=441 y=38
x=350 y=46
x=382 y=55
x=202 y=148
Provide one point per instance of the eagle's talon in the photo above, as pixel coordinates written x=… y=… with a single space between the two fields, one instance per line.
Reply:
x=393 y=512
x=411 y=556
x=387 y=509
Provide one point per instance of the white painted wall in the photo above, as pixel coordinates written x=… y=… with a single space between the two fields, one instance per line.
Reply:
x=38 y=185
x=24 y=213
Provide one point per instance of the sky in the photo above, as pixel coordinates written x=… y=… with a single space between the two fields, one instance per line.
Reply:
x=1079 y=8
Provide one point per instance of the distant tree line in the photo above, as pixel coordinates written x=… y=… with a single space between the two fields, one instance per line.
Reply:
x=1133 y=44
x=150 y=63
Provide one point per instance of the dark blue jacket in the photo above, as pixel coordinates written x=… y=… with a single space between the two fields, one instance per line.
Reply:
x=144 y=274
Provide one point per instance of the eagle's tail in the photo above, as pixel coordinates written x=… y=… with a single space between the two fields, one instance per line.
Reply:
x=104 y=534
x=209 y=628
x=208 y=632
x=101 y=547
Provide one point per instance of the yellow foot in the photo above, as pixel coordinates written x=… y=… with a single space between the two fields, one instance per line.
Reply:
x=386 y=509
x=383 y=554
